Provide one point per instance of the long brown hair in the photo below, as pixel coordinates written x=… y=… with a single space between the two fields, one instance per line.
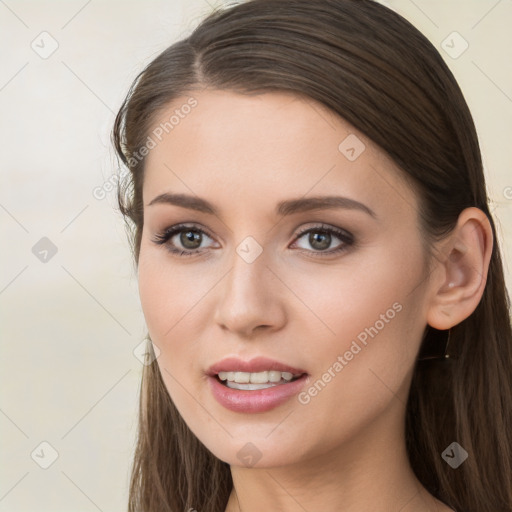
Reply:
x=374 y=69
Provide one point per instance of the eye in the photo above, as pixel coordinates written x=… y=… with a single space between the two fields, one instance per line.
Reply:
x=182 y=240
x=321 y=238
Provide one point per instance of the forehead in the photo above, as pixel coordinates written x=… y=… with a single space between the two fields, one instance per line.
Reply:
x=257 y=149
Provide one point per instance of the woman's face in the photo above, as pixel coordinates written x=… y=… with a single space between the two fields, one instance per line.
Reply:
x=337 y=289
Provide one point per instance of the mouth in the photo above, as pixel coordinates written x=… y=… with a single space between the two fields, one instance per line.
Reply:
x=258 y=373
x=255 y=397
x=254 y=386
x=255 y=381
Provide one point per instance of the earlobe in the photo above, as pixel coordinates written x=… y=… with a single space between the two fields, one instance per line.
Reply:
x=463 y=271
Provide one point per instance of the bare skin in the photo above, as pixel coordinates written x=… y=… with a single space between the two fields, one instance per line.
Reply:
x=343 y=448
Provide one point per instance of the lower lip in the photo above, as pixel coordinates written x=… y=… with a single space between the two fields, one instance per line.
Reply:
x=261 y=400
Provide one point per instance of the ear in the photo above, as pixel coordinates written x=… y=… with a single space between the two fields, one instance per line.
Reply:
x=460 y=275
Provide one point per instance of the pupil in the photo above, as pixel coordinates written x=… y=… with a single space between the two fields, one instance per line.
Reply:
x=320 y=240
x=189 y=239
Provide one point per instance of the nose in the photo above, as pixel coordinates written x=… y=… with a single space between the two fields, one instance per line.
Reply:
x=251 y=299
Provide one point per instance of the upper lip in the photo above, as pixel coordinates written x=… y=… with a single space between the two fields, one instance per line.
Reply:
x=258 y=364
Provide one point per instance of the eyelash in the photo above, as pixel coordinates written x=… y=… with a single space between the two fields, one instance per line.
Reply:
x=346 y=238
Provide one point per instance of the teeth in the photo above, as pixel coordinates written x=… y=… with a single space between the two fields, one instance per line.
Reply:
x=266 y=377
x=249 y=387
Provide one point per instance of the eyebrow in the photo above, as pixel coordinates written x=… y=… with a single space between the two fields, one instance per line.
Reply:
x=283 y=208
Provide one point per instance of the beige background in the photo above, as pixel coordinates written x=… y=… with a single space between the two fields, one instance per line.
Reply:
x=69 y=325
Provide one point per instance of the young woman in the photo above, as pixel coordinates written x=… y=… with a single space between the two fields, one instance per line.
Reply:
x=318 y=270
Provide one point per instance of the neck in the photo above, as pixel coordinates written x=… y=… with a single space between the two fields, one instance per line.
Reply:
x=371 y=471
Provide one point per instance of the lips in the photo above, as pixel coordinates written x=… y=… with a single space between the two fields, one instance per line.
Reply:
x=260 y=400
x=258 y=364
x=251 y=402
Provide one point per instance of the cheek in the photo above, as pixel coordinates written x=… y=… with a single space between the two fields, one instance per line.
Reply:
x=372 y=294
x=357 y=383
x=375 y=314
x=169 y=293
x=164 y=303
x=173 y=299
x=168 y=306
